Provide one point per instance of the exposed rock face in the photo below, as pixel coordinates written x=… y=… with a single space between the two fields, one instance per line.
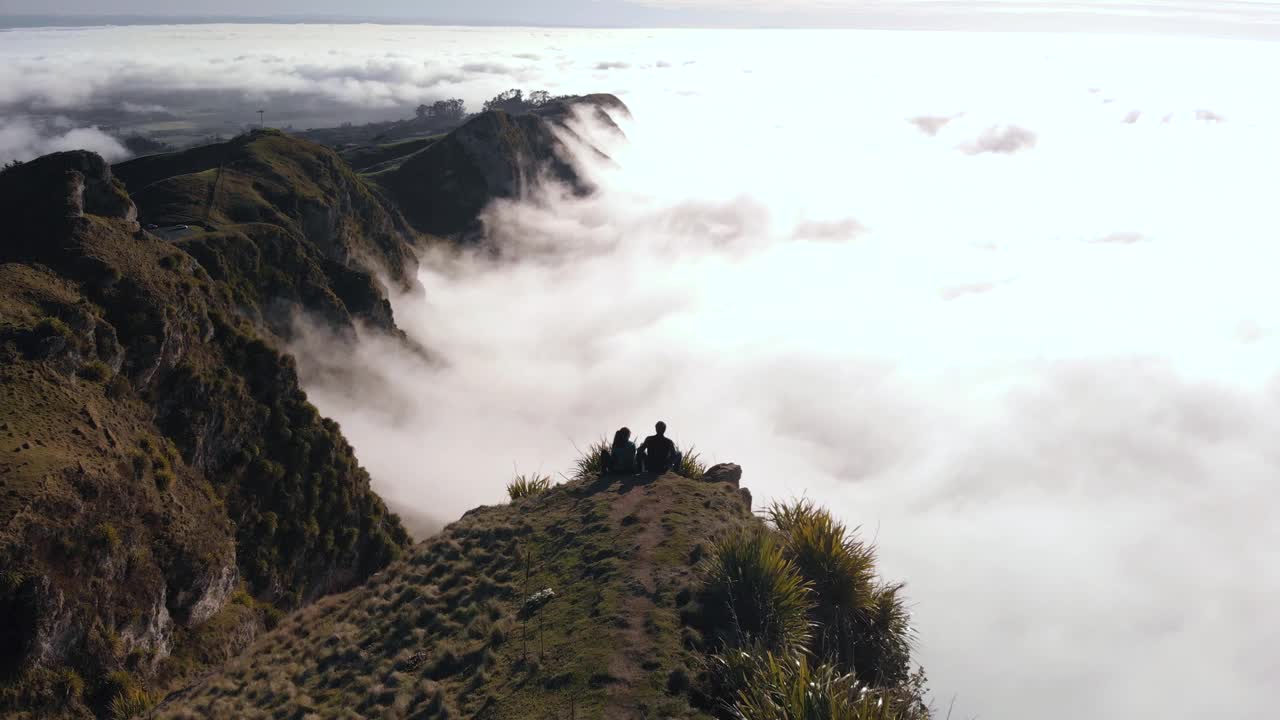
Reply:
x=53 y=192
x=725 y=473
x=443 y=188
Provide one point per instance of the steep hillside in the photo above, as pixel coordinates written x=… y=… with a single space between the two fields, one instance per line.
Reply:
x=384 y=156
x=618 y=597
x=166 y=490
x=285 y=222
x=441 y=633
x=442 y=188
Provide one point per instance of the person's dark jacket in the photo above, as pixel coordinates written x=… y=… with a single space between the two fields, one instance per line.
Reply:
x=621 y=458
x=658 y=453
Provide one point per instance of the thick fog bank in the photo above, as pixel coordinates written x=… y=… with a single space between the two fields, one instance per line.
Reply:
x=1007 y=303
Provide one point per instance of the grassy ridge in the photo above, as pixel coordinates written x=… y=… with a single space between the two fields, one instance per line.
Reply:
x=444 y=632
x=281 y=219
x=603 y=597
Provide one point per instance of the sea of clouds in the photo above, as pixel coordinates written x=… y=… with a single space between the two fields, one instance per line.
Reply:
x=1005 y=301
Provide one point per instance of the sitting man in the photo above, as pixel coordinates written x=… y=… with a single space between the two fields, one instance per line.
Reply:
x=657 y=454
x=622 y=454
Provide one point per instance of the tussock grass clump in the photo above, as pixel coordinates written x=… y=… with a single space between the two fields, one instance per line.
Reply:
x=859 y=624
x=95 y=371
x=524 y=486
x=592 y=462
x=690 y=465
x=792 y=687
x=752 y=593
x=131 y=703
x=841 y=569
x=882 y=650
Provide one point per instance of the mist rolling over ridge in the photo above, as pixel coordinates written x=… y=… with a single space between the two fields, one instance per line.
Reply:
x=1004 y=301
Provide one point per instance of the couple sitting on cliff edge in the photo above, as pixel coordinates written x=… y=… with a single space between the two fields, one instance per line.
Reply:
x=657 y=454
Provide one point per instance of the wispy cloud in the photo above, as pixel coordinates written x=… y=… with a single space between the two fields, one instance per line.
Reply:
x=1001 y=140
x=23 y=139
x=931 y=125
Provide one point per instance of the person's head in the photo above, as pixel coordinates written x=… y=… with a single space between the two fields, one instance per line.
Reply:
x=661 y=427
x=623 y=435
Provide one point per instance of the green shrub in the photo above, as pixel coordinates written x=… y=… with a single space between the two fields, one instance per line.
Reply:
x=106 y=536
x=591 y=464
x=528 y=486
x=882 y=648
x=130 y=703
x=51 y=326
x=751 y=593
x=70 y=686
x=858 y=624
x=164 y=480
x=790 y=687
x=690 y=465
x=10 y=579
x=95 y=371
x=840 y=569
x=118 y=387
x=271 y=615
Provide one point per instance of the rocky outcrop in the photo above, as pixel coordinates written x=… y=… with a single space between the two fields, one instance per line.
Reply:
x=45 y=197
x=729 y=474
x=725 y=473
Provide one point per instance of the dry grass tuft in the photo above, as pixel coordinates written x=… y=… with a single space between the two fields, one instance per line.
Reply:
x=524 y=486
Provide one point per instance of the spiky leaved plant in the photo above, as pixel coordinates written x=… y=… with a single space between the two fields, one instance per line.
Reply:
x=592 y=463
x=859 y=624
x=524 y=486
x=131 y=703
x=690 y=464
x=752 y=594
x=790 y=686
x=882 y=646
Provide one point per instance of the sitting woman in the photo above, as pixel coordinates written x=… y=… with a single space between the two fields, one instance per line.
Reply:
x=622 y=455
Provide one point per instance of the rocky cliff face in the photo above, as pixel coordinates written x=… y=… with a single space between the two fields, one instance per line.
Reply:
x=165 y=487
x=443 y=188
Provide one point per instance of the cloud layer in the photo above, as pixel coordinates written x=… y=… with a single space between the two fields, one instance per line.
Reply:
x=23 y=139
x=1060 y=436
x=963 y=342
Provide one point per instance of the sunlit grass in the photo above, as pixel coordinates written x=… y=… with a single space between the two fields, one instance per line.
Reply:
x=790 y=686
x=690 y=465
x=524 y=486
x=592 y=462
x=753 y=594
x=860 y=624
x=130 y=703
x=841 y=569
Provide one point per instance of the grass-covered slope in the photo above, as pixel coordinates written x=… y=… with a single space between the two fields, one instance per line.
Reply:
x=165 y=487
x=384 y=156
x=441 y=633
x=285 y=222
x=607 y=597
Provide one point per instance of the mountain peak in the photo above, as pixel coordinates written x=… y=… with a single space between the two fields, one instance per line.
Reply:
x=443 y=187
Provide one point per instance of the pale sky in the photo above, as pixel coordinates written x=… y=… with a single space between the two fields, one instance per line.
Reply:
x=1231 y=17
